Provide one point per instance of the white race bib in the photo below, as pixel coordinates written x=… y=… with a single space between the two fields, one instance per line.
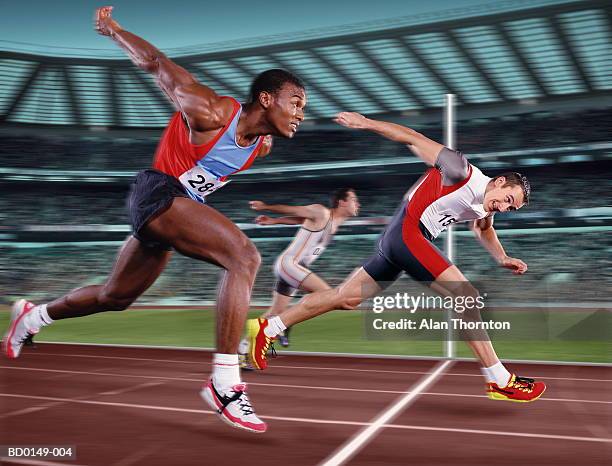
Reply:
x=200 y=182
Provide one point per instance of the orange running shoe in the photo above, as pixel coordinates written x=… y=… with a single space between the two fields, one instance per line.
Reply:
x=259 y=342
x=519 y=389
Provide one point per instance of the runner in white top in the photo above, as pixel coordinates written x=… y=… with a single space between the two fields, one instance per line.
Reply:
x=318 y=226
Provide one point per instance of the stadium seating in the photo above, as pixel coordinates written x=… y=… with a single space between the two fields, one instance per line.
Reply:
x=107 y=153
x=561 y=267
x=44 y=271
x=106 y=205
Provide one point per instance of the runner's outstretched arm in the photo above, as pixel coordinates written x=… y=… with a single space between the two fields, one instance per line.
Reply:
x=423 y=147
x=486 y=235
x=311 y=212
x=265 y=220
x=199 y=103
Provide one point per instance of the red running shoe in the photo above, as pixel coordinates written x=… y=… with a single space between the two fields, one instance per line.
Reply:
x=519 y=389
x=259 y=343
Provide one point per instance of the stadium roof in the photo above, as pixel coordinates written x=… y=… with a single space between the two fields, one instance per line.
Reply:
x=551 y=53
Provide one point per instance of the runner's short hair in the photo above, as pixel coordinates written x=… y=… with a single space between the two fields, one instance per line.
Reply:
x=339 y=195
x=271 y=81
x=516 y=179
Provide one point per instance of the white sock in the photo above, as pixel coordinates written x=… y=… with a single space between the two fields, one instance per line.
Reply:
x=226 y=371
x=38 y=317
x=243 y=347
x=275 y=326
x=497 y=373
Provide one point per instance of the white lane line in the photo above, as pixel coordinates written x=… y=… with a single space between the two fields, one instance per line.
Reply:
x=307 y=387
x=504 y=434
x=139 y=455
x=331 y=354
x=133 y=388
x=314 y=368
x=563 y=400
x=126 y=358
x=345 y=452
x=313 y=420
x=598 y=430
x=34 y=409
x=30 y=410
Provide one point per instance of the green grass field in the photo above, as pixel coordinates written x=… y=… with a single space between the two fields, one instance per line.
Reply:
x=341 y=332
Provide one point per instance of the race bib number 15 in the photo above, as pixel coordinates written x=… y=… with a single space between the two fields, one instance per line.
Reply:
x=201 y=182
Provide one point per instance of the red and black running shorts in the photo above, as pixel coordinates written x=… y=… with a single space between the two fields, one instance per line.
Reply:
x=151 y=194
x=408 y=247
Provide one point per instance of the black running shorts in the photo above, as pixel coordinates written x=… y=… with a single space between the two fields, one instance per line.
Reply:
x=151 y=193
x=284 y=288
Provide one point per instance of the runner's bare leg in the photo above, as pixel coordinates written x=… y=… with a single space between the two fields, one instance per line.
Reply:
x=357 y=287
x=203 y=233
x=280 y=302
x=452 y=282
x=136 y=269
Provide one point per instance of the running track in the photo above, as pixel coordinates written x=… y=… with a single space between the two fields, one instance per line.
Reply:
x=140 y=406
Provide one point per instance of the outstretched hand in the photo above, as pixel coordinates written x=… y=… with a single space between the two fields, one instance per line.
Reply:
x=267 y=141
x=517 y=266
x=266 y=146
x=264 y=220
x=257 y=205
x=104 y=22
x=351 y=120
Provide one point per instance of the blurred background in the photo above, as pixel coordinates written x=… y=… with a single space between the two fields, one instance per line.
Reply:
x=533 y=82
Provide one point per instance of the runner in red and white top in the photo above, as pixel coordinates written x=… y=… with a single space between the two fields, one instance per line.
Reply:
x=209 y=138
x=453 y=190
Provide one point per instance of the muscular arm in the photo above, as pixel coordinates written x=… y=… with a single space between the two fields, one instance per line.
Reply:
x=423 y=147
x=486 y=235
x=203 y=108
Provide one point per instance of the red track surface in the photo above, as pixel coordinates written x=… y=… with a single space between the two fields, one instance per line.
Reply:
x=136 y=406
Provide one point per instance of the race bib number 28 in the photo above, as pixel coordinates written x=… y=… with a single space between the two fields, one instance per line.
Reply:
x=201 y=182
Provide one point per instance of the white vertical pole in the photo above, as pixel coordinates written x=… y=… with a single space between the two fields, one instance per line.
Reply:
x=450 y=141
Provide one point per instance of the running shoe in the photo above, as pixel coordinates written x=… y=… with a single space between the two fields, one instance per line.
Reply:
x=259 y=342
x=283 y=339
x=244 y=362
x=30 y=341
x=521 y=389
x=17 y=333
x=233 y=407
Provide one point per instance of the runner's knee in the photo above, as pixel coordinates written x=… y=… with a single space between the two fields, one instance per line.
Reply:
x=319 y=302
x=347 y=300
x=463 y=289
x=350 y=303
x=471 y=298
x=113 y=303
x=244 y=258
x=471 y=292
